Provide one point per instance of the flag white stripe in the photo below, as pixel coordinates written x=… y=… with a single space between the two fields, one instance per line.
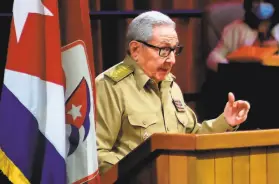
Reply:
x=45 y=100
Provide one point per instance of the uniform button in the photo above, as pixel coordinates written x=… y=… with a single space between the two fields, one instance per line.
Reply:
x=144 y=122
x=145 y=135
x=168 y=129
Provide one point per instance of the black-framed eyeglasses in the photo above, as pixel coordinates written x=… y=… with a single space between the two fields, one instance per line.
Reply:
x=164 y=51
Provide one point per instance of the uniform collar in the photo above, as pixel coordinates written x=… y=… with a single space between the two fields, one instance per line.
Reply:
x=141 y=78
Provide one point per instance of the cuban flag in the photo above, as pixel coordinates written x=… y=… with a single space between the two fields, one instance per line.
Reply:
x=47 y=107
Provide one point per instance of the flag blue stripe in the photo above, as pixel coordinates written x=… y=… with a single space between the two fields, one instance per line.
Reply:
x=53 y=166
x=24 y=144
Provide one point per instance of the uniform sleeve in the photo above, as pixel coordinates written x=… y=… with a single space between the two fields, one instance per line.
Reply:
x=219 y=53
x=217 y=125
x=108 y=123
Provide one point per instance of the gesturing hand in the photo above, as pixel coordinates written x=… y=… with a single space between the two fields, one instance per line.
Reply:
x=236 y=112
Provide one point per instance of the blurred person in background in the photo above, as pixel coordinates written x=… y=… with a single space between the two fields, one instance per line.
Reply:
x=259 y=27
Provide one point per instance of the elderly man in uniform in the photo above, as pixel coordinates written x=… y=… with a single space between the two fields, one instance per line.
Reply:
x=138 y=96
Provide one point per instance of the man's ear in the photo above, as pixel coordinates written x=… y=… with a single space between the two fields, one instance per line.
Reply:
x=134 y=48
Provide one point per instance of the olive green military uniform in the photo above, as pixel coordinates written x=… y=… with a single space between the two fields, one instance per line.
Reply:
x=131 y=107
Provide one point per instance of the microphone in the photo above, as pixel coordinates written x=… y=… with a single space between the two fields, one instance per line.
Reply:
x=262 y=38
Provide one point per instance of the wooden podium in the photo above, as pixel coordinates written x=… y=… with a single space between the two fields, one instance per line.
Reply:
x=246 y=157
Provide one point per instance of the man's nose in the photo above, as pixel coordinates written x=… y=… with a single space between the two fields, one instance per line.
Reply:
x=171 y=58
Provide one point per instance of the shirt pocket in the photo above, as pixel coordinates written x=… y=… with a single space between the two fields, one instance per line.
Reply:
x=142 y=126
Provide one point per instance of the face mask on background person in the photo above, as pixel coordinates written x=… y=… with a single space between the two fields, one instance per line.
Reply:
x=263 y=10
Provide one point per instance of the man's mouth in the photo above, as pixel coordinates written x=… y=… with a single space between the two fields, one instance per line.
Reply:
x=164 y=69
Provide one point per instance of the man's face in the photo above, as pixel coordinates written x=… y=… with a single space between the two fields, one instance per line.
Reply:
x=155 y=66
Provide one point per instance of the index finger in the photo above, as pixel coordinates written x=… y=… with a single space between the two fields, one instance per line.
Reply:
x=231 y=98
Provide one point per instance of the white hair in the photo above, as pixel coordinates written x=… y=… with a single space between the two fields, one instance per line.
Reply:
x=141 y=27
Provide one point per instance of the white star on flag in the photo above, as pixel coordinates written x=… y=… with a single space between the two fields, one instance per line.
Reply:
x=22 y=8
x=75 y=111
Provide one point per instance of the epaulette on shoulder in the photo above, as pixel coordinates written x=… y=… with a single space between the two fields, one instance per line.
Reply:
x=119 y=72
